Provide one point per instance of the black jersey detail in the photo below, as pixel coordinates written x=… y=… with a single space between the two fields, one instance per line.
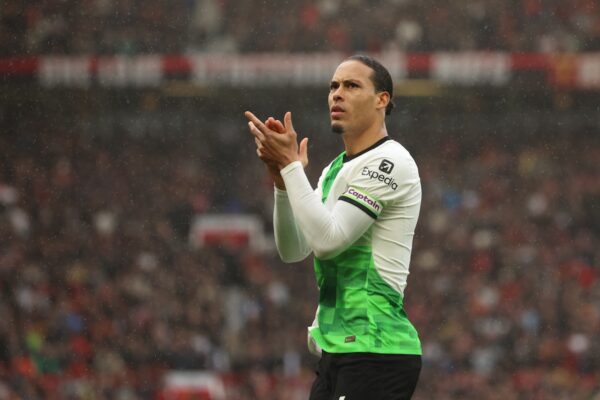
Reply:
x=371 y=147
x=359 y=205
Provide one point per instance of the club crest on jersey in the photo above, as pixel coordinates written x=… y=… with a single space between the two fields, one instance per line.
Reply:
x=386 y=166
x=388 y=180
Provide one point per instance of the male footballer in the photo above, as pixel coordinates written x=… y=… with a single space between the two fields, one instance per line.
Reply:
x=359 y=223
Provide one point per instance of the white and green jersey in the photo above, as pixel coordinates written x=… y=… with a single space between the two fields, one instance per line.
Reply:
x=361 y=287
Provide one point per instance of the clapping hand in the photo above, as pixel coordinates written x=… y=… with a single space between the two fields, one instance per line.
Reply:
x=276 y=144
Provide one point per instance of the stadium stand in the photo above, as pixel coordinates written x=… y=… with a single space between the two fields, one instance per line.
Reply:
x=102 y=295
x=106 y=164
x=161 y=26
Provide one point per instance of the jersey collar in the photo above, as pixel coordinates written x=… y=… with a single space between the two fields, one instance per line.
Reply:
x=371 y=147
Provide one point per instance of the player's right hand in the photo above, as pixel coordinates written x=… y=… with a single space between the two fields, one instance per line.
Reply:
x=272 y=167
x=277 y=126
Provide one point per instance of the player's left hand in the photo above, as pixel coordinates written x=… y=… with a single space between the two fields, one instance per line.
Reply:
x=277 y=142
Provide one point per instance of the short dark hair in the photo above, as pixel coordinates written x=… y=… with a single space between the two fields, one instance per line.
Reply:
x=381 y=78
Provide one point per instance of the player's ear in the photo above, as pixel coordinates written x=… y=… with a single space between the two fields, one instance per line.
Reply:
x=383 y=99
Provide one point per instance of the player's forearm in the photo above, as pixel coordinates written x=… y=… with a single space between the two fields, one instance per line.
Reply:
x=327 y=233
x=290 y=242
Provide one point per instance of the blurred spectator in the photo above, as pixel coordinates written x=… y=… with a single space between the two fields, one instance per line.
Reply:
x=161 y=26
x=101 y=293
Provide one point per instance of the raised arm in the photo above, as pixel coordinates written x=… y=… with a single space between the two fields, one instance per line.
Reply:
x=326 y=232
x=290 y=242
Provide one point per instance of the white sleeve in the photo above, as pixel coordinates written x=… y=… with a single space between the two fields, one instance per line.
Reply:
x=327 y=233
x=290 y=242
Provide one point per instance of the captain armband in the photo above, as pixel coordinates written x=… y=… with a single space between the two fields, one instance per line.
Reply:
x=366 y=202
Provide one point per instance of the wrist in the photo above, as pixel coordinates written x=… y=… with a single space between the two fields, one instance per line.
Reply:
x=279 y=183
x=287 y=163
x=276 y=176
x=290 y=167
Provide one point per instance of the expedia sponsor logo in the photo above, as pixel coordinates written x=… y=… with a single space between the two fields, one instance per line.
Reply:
x=386 y=166
x=365 y=199
x=388 y=180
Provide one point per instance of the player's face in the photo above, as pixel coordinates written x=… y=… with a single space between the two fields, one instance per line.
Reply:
x=352 y=98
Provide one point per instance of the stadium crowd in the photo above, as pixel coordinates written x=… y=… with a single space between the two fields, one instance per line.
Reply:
x=101 y=293
x=161 y=26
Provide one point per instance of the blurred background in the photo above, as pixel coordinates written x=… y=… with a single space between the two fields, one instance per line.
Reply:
x=136 y=250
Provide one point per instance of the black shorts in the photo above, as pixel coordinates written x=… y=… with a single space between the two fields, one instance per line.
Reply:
x=366 y=376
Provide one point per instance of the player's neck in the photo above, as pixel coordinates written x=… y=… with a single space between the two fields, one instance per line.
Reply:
x=355 y=143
